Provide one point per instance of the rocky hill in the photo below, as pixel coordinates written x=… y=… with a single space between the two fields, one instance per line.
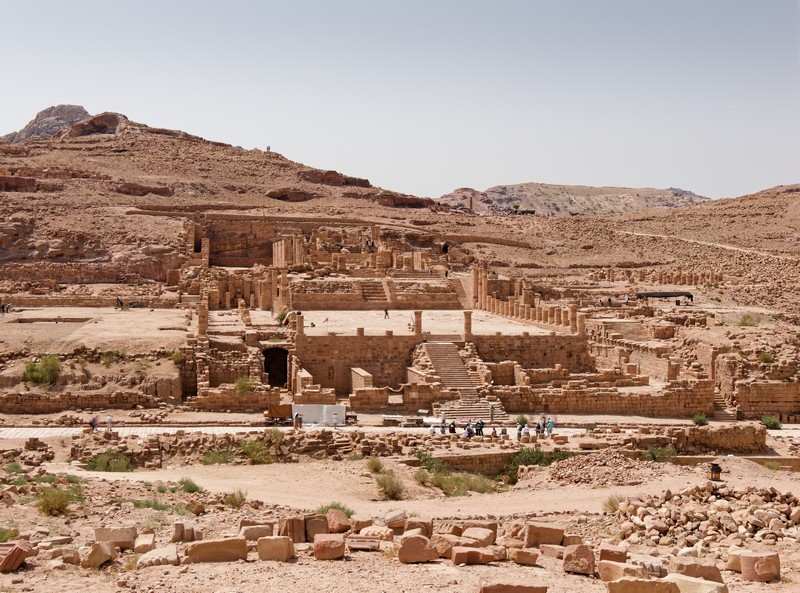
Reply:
x=568 y=200
x=47 y=123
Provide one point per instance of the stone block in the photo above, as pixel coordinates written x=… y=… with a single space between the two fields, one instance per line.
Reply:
x=275 y=547
x=445 y=543
x=98 y=554
x=227 y=549
x=253 y=533
x=734 y=561
x=424 y=525
x=364 y=543
x=122 y=537
x=535 y=534
x=636 y=585
x=613 y=553
x=359 y=522
x=395 y=519
x=415 y=549
x=329 y=546
x=552 y=550
x=700 y=568
x=571 y=539
x=507 y=585
x=482 y=524
x=461 y=555
x=316 y=525
x=144 y=543
x=168 y=555
x=450 y=528
x=15 y=557
x=612 y=571
x=337 y=521
x=579 y=559
x=294 y=528
x=687 y=584
x=379 y=531
x=761 y=567
x=523 y=556
x=483 y=537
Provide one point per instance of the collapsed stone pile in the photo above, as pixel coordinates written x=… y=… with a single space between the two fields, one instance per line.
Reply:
x=710 y=516
x=34 y=453
x=606 y=468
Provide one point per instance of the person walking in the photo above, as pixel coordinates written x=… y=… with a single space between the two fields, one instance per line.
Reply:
x=386 y=313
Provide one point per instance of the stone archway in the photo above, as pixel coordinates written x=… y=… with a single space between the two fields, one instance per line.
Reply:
x=276 y=364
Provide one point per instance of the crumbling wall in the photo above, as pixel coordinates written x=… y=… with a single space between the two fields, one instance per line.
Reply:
x=536 y=351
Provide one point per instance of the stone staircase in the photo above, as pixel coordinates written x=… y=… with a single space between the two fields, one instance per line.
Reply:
x=454 y=375
x=373 y=292
x=722 y=412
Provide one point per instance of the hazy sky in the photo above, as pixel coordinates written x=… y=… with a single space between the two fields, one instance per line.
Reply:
x=424 y=96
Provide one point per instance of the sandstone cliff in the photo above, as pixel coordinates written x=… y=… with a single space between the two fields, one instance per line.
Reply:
x=47 y=123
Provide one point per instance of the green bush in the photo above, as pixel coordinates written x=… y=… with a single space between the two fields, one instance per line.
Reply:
x=281 y=317
x=44 y=372
x=390 y=485
x=749 y=320
x=276 y=436
x=216 y=457
x=150 y=503
x=422 y=477
x=611 y=504
x=110 y=461
x=256 y=452
x=773 y=465
x=178 y=357
x=243 y=385
x=766 y=357
x=531 y=456
x=46 y=479
x=660 y=454
x=8 y=534
x=161 y=488
x=700 y=419
x=355 y=457
x=73 y=479
x=522 y=420
x=13 y=468
x=429 y=463
x=771 y=422
x=335 y=505
x=189 y=485
x=53 y=501
x=111 y=357
x=591 y=427
x=236 y=499
x=374 y=465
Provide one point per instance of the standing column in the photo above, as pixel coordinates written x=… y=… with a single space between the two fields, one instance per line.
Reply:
x=418 y=323
x=573 y=318
x=467 y=325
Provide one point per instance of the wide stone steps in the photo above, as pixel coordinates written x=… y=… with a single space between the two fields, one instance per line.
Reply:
x=373 y=292
x=723 y=413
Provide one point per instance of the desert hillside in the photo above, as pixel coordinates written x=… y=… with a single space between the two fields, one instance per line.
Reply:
x=568 y=200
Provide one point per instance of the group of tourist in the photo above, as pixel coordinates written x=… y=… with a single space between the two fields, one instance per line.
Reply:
x=5 y=308
x=469 y=431
x=94 y=420
x=544 y=426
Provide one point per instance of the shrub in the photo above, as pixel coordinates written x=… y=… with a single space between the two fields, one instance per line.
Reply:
x=161 y=488
x=256 y=452
x=773 y=465
x=531 y=456
x=355 y=457
x=281 y=317
x=390 y=485
x=189 y=485
x=150 y=503
x=44 y=372
x=72 y=479
x=749 y=320
x=13 y=468
x=766 y=357
x=374 y=465
x=771 y=422
x=700 y=419
x=110 y=461
x=276 y=436
x=178 y=357
x=236 y=499
x=422 y=477
x=522 y=420
x=46 y=479
x=429 y=463
x=478 y=483
x=8 y=534
x=660 y=454
x=335 y=505
x=243 y=385
x=611 y=504
x=591 y=427
x=217 y=456
x=53 y=501
x=110 y=357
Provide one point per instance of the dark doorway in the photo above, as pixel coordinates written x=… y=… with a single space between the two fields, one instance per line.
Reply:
x=276 y=363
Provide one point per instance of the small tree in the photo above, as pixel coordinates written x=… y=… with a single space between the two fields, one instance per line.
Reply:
x=243 y=385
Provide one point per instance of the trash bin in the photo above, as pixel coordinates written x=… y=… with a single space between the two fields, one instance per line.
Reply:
x=714 y=471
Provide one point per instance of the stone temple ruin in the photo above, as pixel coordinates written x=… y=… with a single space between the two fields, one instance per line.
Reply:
x=339 y=311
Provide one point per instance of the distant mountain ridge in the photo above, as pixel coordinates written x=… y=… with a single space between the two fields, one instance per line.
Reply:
x=568 y=200
x=48 y=123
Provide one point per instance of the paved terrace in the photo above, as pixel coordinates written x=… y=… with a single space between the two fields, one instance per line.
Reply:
x=400 y=321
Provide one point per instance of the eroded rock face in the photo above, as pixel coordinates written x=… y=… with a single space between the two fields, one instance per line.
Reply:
x=47 y=123
x=105 y=123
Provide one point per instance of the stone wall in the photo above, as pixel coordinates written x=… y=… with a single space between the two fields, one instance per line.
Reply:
x=681 y=399
x=226 y=398
x=47 y=403
x=330 y=358
x=768 y=397
x=570 y=351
